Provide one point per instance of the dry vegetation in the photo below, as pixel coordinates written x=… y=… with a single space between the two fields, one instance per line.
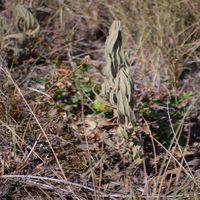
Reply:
x=55 y=145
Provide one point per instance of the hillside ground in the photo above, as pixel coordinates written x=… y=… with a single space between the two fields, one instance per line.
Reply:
x=55 y=145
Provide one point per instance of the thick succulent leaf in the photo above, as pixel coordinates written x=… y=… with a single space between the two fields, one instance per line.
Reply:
x=112 y=98
x=113 y=51
x=120 y=104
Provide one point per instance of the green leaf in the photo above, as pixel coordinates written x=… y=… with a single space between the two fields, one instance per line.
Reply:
x=59 y=94
x=101 y=106
x=185 y=96
x=40 y=79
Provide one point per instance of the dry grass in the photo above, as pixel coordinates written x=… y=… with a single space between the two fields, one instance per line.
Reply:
x=48 y=151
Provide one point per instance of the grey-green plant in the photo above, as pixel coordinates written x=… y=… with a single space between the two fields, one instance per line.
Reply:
x=118 y=86
x=24 y=21
x=24 y=26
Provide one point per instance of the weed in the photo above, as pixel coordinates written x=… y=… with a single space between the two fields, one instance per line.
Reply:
x=157 y=112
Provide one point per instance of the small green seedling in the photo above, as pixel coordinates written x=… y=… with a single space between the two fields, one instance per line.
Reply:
x=101 y=106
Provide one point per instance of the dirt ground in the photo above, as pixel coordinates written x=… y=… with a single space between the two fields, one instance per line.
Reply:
x=55 y=145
